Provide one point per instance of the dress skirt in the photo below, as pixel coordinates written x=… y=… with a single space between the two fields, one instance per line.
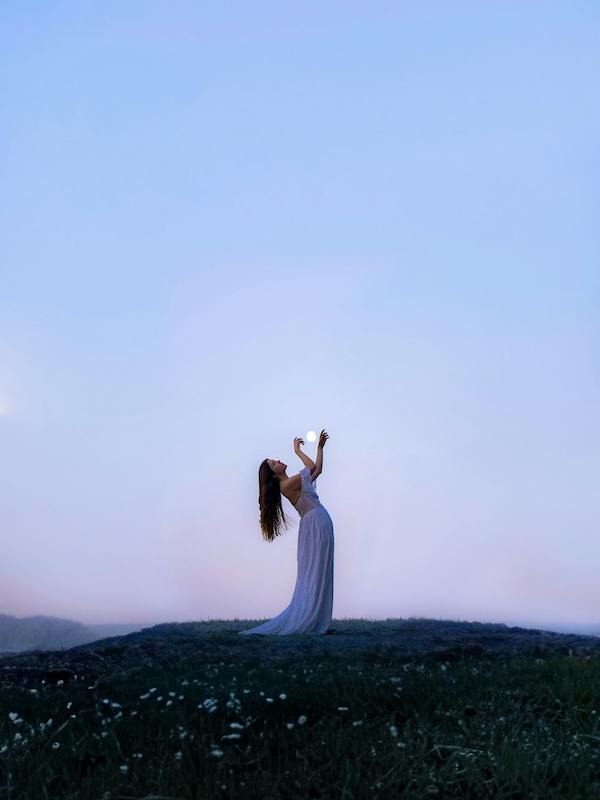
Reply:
x=311 y=606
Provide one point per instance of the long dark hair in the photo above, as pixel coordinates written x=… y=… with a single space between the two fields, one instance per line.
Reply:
x=269 y=502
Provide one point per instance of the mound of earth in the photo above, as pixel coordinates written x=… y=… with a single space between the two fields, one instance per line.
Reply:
x=357 y=639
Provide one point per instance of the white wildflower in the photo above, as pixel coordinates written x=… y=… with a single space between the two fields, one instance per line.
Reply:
x=301 y=719
x=283 y=696
x=231 y=736
x=124 y=768
x=216 y=753
x=55 y=745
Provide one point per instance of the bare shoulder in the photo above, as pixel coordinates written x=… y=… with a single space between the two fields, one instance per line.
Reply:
x=292 y=485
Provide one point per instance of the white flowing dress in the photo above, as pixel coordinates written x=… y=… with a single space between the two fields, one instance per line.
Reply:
x=311 y=606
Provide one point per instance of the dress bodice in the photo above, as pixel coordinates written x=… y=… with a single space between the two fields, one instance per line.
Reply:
x=309 y=499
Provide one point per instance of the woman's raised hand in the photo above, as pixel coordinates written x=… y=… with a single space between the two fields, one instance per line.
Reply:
x=323 y=438
x=297 y=442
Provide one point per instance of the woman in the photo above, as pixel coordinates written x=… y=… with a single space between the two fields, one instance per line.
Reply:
x=312 y=602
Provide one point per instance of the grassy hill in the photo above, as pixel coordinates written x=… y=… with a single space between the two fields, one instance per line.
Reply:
x=412 y=708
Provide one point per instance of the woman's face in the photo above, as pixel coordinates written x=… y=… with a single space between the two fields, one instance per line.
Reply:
x=278 y=467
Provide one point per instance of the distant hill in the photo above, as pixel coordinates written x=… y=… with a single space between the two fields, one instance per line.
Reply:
x=18 y=634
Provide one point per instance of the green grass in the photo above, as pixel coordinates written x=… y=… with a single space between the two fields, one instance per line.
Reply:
x=502 y=727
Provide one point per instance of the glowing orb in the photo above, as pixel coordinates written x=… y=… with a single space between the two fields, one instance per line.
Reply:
x=311 y=436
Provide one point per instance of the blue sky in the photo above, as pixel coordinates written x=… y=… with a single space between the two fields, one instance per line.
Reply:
x=222 y=226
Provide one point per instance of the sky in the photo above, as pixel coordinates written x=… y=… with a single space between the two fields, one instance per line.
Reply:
x=224 y=225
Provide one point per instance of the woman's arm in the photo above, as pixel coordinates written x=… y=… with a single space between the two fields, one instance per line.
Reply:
x=319 y=465
x=308 y=462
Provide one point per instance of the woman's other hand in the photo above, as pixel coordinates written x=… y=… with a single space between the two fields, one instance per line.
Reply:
x=323 y=438
x=297 y=442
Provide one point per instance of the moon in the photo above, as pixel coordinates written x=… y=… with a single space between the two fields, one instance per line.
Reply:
x=311 y=436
